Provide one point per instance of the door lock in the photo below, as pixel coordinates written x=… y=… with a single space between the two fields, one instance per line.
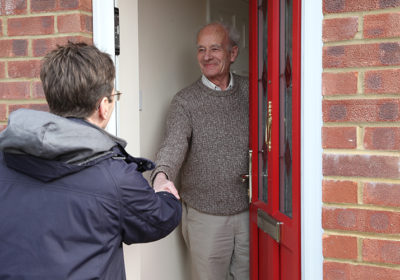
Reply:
x=247 y=177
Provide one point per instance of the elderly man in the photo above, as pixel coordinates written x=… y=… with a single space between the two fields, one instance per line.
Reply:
x=70 y=194
x=207 y=140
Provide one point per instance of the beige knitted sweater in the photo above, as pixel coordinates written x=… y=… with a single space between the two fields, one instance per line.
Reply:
x=207 y=140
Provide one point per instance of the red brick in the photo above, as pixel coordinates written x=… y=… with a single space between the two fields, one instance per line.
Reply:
x=43 y=5
x=345 y=271
x=339 y=137
x=383 y=81
x=3 y=112
x=381 y=251
x=374 y=110
x=2 y=70
x=31 y=26
x=40 y=107
x=369 y=166
x=87 y=23
x=85 y=5
x=14 y=90
x=341 y=6
x=53 y=5
x=382 y=26
x=382 y=194
x=87 y=40
x=74 y=23
x=37 y=92
x=1 y=27
x=360 y=220
x=382 y=138
x=339 y=29
x=13 y=48
x=14 y=7
x=366 y=55
x=339 y=191
x=24 y=69
x=69 y=4
x=340 y=247
x=339 y=83
x=43 y=46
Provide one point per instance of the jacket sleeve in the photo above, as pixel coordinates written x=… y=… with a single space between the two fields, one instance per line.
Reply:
x=145 y=215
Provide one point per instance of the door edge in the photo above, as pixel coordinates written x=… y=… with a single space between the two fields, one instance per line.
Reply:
x=311 y=147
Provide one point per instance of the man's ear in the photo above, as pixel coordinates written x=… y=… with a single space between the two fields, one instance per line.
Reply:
x=103 y=108
x=234 y=53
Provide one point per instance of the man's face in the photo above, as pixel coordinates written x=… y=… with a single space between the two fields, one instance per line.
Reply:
x=213 y=53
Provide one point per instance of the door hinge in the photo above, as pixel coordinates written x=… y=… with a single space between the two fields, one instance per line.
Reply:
x=250 y=172
x=116 y=31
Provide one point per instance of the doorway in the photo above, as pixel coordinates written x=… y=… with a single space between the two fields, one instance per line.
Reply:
x=131 y=117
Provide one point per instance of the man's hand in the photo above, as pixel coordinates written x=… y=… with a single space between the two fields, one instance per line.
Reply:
x=162 y=184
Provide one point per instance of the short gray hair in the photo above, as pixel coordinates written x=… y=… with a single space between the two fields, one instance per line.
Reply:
x=233 y=34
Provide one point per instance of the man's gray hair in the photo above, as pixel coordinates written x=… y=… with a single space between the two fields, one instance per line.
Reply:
x=233 y=34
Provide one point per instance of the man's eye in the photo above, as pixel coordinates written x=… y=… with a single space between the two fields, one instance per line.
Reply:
x=200 y=50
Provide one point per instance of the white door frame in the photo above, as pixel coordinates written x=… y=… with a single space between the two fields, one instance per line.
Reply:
x=311 y=110
x=103 y=38
x=311 y=147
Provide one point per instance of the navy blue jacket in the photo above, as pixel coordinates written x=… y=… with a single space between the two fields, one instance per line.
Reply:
x=66 y=217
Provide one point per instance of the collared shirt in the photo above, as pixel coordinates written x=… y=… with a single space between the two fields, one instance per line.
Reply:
x=211 y=85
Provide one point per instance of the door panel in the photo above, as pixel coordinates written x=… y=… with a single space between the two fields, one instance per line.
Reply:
x=285 y=118
x=275 y=139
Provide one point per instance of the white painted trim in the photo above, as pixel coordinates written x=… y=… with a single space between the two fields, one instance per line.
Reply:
x=311 y=148
x=103 y=38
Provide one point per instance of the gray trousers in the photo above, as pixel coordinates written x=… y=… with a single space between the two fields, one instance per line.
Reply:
x=218 y=245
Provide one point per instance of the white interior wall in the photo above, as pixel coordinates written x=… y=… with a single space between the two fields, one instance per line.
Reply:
x=167 y=62
x=129 y=118
x=235 y=13
x=167 y=32
x=128 y=75
x=157 y=59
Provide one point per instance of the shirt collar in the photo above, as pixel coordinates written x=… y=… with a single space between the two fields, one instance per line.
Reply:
x=211 y=85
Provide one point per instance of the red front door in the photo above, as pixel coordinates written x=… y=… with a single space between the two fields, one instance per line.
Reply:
x=275 y=139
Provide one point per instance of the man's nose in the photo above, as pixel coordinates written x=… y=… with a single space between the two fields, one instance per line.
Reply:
x=207 y=55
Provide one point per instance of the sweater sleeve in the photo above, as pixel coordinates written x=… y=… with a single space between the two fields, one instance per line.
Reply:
x=176 y=140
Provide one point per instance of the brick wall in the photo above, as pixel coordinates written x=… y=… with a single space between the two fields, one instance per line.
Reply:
x=361 y=139
x=28 y=30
